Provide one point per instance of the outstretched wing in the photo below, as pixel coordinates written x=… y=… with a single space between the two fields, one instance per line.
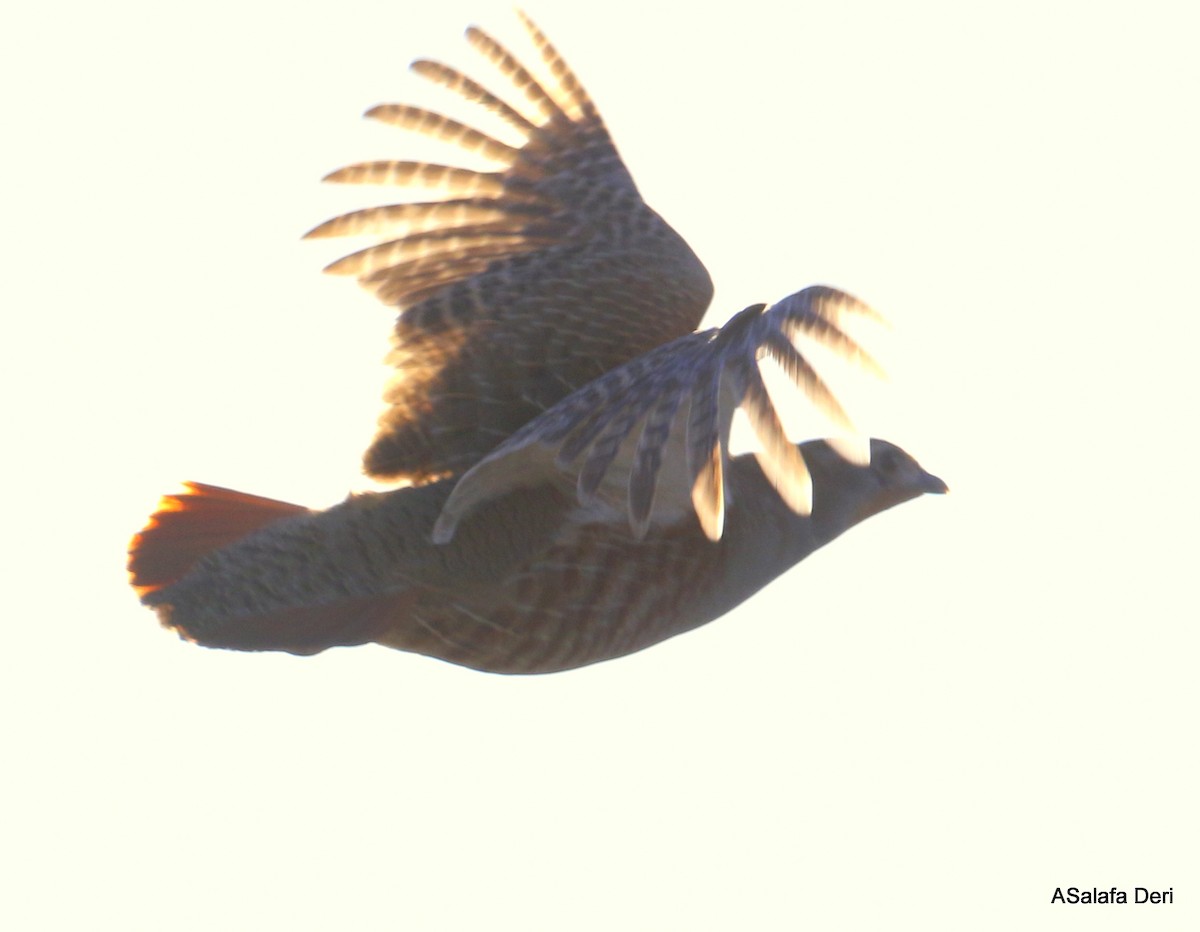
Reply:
x=521 y=284
x=630 y=439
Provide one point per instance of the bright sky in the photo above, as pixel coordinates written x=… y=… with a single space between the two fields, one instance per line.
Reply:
x=960 y=706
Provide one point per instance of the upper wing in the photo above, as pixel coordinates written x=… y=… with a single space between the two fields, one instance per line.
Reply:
x=629 y=439
x=521 y=284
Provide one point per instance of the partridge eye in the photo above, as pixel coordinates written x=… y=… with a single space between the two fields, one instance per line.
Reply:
x=887 y=462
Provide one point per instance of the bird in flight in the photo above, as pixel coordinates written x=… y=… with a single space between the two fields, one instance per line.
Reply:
x=556 y=431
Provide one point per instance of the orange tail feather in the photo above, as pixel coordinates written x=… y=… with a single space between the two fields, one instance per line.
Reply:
x=190 y=524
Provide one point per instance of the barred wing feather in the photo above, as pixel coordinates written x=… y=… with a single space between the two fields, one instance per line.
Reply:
x=521 y=283
x=652 y=436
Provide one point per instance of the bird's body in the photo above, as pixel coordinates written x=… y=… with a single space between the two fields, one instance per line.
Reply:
x=533 y=582
x=564 y=434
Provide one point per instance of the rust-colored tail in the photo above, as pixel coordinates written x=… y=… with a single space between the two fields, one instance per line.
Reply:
x=203 y=518
x=189 y=524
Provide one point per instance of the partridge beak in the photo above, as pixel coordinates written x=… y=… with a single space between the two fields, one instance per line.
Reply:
x=933 y=485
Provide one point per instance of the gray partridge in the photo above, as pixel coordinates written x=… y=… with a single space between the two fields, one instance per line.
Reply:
x=561 y=432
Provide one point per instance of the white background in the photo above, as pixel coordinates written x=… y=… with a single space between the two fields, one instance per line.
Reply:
x=930 y=724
